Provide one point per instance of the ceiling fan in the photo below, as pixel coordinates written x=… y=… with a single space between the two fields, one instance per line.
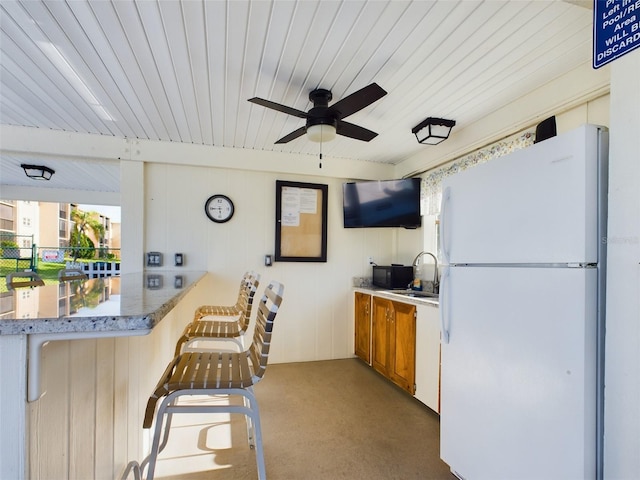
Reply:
x=324 y=121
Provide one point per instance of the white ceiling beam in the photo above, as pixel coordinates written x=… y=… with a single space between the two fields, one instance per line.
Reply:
x=86 y=147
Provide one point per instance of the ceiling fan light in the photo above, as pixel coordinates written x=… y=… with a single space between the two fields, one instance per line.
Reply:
x=321 y=133
x=38 y=172
x=432 y=131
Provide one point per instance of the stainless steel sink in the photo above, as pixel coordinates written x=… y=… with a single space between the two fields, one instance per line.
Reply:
x=414 y=293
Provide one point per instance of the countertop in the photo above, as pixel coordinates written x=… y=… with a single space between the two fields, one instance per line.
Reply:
x=126 y=303
x=399 y=295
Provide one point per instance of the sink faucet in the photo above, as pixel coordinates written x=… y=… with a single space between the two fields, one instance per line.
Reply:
x=436 y=284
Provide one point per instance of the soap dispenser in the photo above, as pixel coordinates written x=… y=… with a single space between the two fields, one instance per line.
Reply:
x=417 y=277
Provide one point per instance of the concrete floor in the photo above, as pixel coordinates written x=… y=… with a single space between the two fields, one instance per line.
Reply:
x=326 y=420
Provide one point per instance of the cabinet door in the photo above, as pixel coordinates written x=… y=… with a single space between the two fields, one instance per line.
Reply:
x=363 y=326
x=402 y=343
x=380 y=334
x=428 y=357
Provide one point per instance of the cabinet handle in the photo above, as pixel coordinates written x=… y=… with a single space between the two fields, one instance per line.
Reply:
x=444 y=219
x=444 y=304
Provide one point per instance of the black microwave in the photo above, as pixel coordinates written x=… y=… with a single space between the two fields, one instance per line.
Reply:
x=392 y=276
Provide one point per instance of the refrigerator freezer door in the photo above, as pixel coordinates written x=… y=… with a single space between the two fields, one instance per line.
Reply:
x=518 y=394
x=536 y=205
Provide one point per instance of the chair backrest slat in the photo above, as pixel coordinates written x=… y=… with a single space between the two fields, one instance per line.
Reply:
x=24 y=279
x=248 y=289
x=265 y=318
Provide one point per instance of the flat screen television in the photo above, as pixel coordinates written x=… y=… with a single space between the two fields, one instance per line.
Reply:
x=382 y=203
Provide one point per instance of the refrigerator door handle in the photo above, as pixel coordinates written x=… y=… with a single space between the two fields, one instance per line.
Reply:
x=446 y=196
x=444 y=297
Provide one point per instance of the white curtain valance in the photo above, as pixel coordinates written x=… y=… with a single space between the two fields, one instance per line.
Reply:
x=431 y=185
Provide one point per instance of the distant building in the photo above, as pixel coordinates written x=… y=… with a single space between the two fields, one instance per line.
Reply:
x=19 y=223
x=49 y=225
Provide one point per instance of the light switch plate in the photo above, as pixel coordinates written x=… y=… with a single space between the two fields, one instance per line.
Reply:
x=154 y=282
x=154 y=259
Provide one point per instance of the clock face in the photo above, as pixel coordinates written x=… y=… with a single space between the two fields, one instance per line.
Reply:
x=219 y=208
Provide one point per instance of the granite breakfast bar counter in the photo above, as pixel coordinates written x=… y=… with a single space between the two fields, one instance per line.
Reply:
x=95 y=346
x=142 y=305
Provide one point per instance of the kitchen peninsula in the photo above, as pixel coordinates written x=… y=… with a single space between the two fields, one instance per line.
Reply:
x=77 y=340
x=131 y=302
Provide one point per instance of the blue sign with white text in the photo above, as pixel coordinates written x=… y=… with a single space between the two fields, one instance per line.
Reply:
x=616 y=29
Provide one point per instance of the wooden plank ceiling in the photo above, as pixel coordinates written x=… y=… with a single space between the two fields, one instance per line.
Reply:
x=182 y=71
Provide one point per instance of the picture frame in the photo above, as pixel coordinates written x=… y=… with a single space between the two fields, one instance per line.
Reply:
x=301 y=222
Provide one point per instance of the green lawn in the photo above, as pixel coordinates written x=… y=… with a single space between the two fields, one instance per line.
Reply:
x=49 y=271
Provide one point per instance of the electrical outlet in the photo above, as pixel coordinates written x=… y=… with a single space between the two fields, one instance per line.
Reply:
x=371 y=262
x=154 y=259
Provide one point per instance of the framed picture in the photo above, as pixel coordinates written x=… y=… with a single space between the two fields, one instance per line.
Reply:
x=301 y=222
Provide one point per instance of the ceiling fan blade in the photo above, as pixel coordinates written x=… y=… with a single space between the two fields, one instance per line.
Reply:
x=358 y=100
x=350 y=130
x=276 y=106
x=293 y=135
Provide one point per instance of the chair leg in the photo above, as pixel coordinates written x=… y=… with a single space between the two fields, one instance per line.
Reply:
x=246 y=402
x=167 y=427
x=169 y=406
x=156 y=447
x=254 y=429
x=262 y=474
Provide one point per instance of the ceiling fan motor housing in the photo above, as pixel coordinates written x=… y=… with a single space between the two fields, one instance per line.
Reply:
x=320 y=97
x=321 y=114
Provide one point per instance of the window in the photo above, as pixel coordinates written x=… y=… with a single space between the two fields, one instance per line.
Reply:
x=431 y=188
x=6 y=217
x=431 y=241
x=431 y=194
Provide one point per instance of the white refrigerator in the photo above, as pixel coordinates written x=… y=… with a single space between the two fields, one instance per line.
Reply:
x=523 y=239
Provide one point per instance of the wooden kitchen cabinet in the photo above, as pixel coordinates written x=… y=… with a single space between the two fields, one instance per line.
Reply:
x=362 y=317
x=393 y=339
x=380 y=312
x=400 y=340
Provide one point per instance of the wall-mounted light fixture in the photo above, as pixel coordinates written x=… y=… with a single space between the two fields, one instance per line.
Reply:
x=39 y=172
x=432 y=131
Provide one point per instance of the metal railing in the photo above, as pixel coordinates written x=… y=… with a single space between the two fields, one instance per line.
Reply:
x=14 y=258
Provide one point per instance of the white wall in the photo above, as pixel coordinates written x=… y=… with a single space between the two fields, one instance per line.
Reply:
x=622 y=354
x=314 y=322
x=316 y=312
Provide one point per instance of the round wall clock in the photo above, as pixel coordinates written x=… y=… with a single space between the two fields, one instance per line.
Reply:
x=219 y=208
